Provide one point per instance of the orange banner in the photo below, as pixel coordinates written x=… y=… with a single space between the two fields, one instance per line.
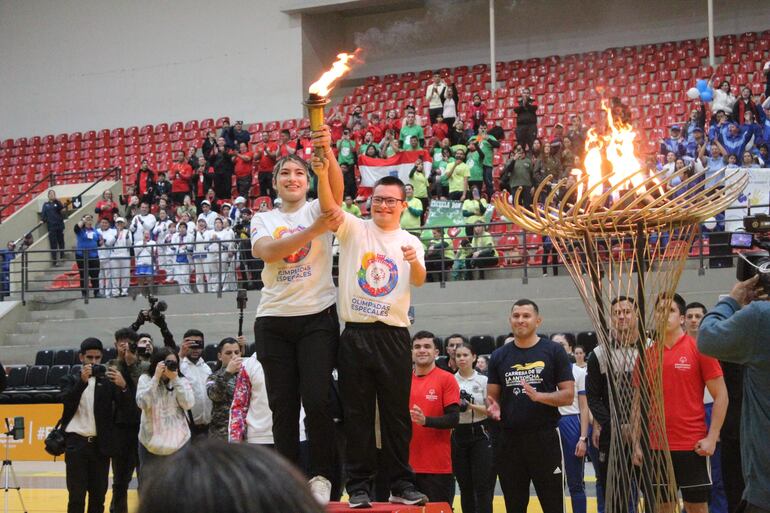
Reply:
x=39 y=420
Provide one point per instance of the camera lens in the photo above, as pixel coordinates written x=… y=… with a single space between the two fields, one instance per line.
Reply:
x=172 y=365
x=98 y=370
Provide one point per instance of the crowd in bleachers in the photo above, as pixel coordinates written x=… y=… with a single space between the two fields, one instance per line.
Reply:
x=478 y=141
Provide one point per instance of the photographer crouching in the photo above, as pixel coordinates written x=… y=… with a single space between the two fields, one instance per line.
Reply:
x=93 y=400
x=736 y=330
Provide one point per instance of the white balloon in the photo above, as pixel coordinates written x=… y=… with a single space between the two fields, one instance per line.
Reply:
x=693 y=93
x=710 y=223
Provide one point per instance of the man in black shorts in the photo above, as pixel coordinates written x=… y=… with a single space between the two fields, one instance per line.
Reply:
x=686 y=372
x=529 y=379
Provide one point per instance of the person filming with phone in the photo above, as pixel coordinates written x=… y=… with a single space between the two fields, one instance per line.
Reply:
x=93 y=400
x=735 y=331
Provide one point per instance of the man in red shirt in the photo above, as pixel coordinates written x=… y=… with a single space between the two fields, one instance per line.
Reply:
x=145 y=182
x=180 y=173
x=305 y=143
x=689 y=441
x=265 y=155
x=336 y=126
x=440 y=129
x=285 y=145
x=376 y=127
x=243 y=170
x=106 y=207
x=435 y=411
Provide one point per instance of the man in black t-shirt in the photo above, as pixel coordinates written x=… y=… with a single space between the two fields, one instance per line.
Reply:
x=529 y=378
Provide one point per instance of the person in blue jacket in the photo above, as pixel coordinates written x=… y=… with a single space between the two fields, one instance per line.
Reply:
x=736 y=331
x=87 y=254
x=52 y=216
x=6 y=255
x=735 y=139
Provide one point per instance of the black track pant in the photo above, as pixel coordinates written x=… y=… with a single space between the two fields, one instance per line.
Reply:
x=521 y=458
x=93 y=273
x=374 y=364
x=87 y=472
x=438 y=487
x=298 y=354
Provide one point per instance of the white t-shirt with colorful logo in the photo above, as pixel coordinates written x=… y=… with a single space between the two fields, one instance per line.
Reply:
x=374 y=277
x=300 y=284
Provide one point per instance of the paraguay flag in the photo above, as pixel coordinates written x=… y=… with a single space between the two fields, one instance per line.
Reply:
x=400 y=164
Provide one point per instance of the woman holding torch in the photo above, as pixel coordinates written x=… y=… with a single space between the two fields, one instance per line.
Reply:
x=296 y=328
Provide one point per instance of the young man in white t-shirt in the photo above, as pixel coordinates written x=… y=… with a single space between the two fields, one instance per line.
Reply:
x=378 y=264
x=297 y=328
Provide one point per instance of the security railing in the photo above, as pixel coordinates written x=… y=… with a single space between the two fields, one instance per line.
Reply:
x=452 y=253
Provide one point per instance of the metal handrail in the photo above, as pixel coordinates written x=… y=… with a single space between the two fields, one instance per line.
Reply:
x=52 y=181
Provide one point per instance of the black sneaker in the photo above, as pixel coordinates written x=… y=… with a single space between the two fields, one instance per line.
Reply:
x=409 y=496
x=359 y=499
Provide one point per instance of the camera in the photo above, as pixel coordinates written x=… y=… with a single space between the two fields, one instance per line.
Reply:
x=98 y=370
x=242 y=298
x=134 y=348
x=753 y=261
x=172 y=365
x=466 y=400
x=157 y=307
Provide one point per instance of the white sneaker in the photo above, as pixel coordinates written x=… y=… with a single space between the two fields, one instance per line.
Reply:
x=321 y=489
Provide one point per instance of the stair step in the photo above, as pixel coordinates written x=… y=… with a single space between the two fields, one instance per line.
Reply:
x=19 y=339
x=56 y=315
x=27 y=327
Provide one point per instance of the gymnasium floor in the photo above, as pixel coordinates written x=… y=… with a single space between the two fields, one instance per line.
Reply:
x=44 y=490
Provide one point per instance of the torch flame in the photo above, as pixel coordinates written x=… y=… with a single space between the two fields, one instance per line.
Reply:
x=323 y=85
x=618 y=145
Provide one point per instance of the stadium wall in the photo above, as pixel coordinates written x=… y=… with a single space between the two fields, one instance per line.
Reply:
x=76 y=65
x=446 y=34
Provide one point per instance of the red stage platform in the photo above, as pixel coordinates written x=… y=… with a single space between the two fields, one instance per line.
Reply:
x=386 y=507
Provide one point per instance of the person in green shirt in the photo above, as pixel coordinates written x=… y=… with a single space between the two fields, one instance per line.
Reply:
x=419 y=183
x=411 y=217
x=474 y=160
x=389 y=144
x=484 y=255
x=439 y=257
x=460 y=264
x=473 y=210
x=413 y=144
x=347 y=149
x=457 y=174
x=486 y=143
x=350 y=207
x=519 y=173
x=410 y=129
x=438 y=173
x=367 y=143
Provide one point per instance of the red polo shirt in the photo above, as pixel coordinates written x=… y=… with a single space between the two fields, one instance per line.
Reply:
x=685 y=373
x=242 y=167
x=266 y=162
x=430 y=451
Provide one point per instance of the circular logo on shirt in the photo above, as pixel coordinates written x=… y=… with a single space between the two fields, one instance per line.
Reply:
x=378 y=275
x=302 y=252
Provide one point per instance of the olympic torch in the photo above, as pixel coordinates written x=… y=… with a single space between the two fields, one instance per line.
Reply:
x=319 y=90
